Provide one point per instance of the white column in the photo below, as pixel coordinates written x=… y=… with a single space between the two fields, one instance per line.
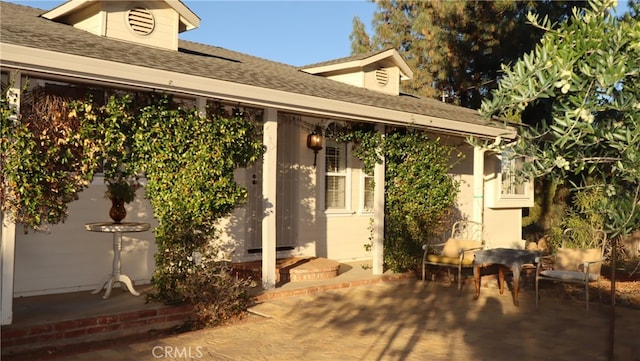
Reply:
x=478 y=185
x=201 y=103
x=8 y=240
x=269 y=187
x=378 y=214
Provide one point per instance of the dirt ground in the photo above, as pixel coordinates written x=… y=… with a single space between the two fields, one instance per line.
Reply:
x=627 y=284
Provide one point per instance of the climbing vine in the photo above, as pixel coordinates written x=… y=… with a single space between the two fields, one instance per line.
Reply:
x=51 y=150
x=420 y=194
x=48 y=156
x=189 y=160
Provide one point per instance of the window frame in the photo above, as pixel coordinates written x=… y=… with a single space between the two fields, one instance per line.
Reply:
x=364 y=178
x=495 y=197
x=347 y=174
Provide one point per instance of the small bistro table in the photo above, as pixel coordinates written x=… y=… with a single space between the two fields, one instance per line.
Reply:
x=503 y=257
x=117 y=229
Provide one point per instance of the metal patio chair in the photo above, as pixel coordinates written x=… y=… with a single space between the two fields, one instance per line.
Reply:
x=579 y=265
x=456 y=252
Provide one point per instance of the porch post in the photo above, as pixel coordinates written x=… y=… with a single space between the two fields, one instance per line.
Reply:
x=201 y=104
x=478 y=185
x=7 y=260
x=378 y=214
x=269 y=186
x=8 y=240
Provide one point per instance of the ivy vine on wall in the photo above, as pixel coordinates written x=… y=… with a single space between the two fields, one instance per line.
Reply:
x=51 y=150
x=420 y=193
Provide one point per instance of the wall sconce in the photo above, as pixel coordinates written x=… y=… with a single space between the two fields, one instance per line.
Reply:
x=314 y=142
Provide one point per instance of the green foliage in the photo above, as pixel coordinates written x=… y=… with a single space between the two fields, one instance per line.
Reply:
x=48 y=156
x=455 y=48
x=124 y=189
x=549 y=209
x=420 y=193
x=51 y=150
x=189 y=162
x=587 y=74
x=587 y=213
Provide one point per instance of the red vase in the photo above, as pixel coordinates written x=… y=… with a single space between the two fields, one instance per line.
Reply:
x=117 y=211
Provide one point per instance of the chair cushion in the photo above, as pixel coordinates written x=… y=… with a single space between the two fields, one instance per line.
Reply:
x=453 y=245
x=568 y=275
x=434 y=258
x=572 y=259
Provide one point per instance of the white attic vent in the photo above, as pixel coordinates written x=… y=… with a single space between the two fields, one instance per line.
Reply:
x=141 y=21
x=382 y=77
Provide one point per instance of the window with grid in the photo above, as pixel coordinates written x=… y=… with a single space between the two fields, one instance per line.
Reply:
x=367 y=193
x=335 y=174
x=511 y=184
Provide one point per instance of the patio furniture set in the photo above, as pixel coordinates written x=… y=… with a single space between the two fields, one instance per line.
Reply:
x=466 y=249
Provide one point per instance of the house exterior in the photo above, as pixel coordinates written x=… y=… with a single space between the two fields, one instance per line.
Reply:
x=295 y=208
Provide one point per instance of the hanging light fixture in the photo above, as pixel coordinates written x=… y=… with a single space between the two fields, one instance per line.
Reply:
x=314 y=142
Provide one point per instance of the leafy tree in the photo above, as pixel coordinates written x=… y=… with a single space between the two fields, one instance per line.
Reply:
x=586 y=73
x=456 y=47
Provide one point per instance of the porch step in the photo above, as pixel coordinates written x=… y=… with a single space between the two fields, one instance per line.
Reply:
x=293 y=269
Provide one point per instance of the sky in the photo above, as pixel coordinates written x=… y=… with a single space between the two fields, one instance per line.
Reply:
x=292 y=32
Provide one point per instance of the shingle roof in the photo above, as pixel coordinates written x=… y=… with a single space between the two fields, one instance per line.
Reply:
x=21 y=25
x=354 y=57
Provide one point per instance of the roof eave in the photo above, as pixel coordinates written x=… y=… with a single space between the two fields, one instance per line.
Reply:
x=64 y=9
x=126 y=75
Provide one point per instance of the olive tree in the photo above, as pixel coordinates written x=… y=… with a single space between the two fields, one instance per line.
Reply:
x=582 y=84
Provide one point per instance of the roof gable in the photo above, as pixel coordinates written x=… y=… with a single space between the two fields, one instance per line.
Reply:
x=151 y=23
x=380 y=71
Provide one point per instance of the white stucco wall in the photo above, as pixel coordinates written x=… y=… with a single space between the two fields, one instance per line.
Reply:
x=68 y=258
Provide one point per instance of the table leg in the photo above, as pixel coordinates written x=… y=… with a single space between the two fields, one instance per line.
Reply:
x=101 y=286
x=125 y=280
x=116 y=275
x=516 y=284
x=476 y=279
x=501 y=278
x=109 y=287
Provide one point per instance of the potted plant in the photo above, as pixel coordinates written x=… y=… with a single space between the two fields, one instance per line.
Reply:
x=120 y=191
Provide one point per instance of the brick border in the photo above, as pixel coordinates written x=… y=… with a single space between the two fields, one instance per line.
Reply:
x=17 y=338
x=278 y=293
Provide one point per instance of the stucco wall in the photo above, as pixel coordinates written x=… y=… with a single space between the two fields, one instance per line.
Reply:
x=68 y=258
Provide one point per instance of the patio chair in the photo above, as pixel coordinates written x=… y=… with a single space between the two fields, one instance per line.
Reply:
x=580 y=265
x=456 y=252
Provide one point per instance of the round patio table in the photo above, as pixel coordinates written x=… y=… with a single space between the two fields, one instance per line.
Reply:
x=117 y=229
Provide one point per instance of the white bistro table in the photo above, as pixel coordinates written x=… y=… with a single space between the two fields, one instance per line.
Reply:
x=117 y=229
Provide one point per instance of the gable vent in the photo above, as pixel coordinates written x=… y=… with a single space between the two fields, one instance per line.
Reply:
x=141 y=21
x=382 y=77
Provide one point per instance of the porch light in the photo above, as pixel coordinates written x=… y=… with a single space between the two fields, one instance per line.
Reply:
x=314 y=142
